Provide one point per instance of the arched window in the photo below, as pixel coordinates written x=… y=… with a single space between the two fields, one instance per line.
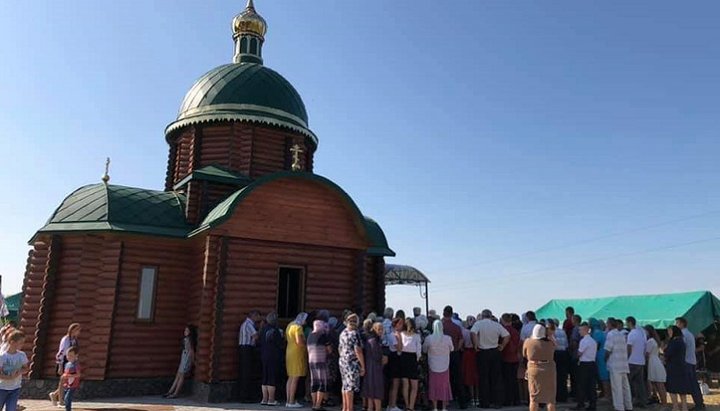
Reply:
x=253 y=46
x=243 y=45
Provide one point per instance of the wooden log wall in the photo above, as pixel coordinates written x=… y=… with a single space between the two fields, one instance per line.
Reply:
x=297 y=211
x=248 y=148
x=38 y=294
x=80 y=288
x=252 y=279
x=151 y=349
x=203 y=303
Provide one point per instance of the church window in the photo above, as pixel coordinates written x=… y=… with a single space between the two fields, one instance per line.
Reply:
x=291 y=291
x=253 y=46
x=243 y=45
x=146 y=293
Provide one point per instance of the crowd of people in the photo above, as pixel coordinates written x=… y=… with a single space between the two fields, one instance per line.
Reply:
x=427 y=361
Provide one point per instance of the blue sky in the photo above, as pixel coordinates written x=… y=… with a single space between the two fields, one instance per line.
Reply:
x=514 y=151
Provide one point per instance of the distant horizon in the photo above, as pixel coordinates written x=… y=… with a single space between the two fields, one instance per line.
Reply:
x=515 y=153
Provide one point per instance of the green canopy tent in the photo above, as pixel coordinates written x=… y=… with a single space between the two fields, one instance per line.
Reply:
x=700 y=308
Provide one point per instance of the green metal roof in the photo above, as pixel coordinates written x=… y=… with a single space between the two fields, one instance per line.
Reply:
x=243 y=92
x=224 y=210
x=101 y=207
x=700 y=308
x=215 y=174
x=12 y=302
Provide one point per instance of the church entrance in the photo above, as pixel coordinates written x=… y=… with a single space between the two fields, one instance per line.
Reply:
x=290 y=292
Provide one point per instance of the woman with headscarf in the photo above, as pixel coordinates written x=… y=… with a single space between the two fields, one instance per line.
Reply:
x=333 y=367
x=318 y=346
x=271 y=350
x=539 y=352
x=438 y=347
x=373 y=384
x=598 y=334
x=295 y=358
x=352 y=361
x=656 y=371
x=677 y=380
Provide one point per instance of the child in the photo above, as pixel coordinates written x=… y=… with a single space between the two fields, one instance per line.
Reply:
x=71 y=377
x=13 y=364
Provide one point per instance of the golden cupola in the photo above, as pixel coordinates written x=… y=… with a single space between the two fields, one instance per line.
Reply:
x=249 y=30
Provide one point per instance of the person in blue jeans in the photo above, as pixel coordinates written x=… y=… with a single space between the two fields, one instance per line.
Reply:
x=13 y=364
x=70 y=379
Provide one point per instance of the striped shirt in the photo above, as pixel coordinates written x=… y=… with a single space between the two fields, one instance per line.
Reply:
x=247 y=331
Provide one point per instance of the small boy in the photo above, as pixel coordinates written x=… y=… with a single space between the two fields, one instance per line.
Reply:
x=13 y=364
x=70 y=379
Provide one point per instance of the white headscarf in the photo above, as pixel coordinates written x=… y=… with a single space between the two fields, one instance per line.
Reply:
x=437 y=329
x=300 y=319
x=538 y=332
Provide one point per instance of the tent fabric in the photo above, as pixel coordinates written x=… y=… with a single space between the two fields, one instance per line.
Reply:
x=700 y=308
x=403 y=274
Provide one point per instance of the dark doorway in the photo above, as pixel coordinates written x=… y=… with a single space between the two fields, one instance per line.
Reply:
x=291 y=287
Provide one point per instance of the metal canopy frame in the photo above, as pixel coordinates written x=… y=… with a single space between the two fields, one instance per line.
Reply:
x=396 y=274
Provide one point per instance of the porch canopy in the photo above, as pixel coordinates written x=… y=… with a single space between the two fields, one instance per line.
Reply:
x=396 y=274
x=700 y=308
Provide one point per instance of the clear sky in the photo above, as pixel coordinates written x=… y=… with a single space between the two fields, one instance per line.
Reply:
x=513 y=151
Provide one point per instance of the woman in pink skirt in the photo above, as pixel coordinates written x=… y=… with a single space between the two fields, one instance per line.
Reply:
x=438 y=348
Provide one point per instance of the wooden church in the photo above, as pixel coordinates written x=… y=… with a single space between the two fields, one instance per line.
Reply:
x=243 y=223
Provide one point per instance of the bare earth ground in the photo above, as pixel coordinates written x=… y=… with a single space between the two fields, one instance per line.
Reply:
x=160 y=404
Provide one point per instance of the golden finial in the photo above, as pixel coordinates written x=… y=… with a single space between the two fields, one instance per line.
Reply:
x=106 y=177
x=249 y=22
x=296 y=151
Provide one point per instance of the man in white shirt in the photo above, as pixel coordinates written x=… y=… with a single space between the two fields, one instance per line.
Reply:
x=636 y=345
x=587 y=370
x=616 y=357
x=526 y=330
x=485 y=335
x=691 y=363
x=249 y=358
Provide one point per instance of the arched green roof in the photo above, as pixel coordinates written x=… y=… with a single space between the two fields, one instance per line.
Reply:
x=244 y=92
x=224 y=210
x=103 y=207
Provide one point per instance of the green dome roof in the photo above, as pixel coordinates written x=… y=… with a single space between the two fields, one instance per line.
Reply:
x=243 y=92
x=103 y=207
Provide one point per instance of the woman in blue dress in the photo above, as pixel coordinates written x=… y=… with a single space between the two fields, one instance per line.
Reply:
x=598 y=334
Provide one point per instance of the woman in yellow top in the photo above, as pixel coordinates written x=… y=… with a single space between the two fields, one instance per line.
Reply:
x=295 y=358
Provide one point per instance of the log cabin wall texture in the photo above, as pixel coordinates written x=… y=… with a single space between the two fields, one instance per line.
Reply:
x=151 y=348
x=252 y=279
x=297 y=211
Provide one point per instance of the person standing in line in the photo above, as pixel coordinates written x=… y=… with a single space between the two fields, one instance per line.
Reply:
x=247 y=340
x=691 y=363
x=527 y=328
x=456 y=336
x=394 y=362
x=439 y=347
x=411 y=351
x=616 y=355
x=352 y=361
x=510 y=359
x=656 y=371
x=598 y=334
x=469 y=367
x=562 y=360
x=69 y=340
x=373 y=385
x=675 y=356
x=538 y=350
x=13 y=364
x=586 y=371
x=295 y=358
x=636 y=346
x=318 y=346
x=486 y=333
x=528 y=322
x=574 y=343
x=271 y=350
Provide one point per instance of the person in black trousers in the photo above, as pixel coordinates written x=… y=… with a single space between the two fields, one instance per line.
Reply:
x=486 y=334
x=586 y=377
x=562 y=360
